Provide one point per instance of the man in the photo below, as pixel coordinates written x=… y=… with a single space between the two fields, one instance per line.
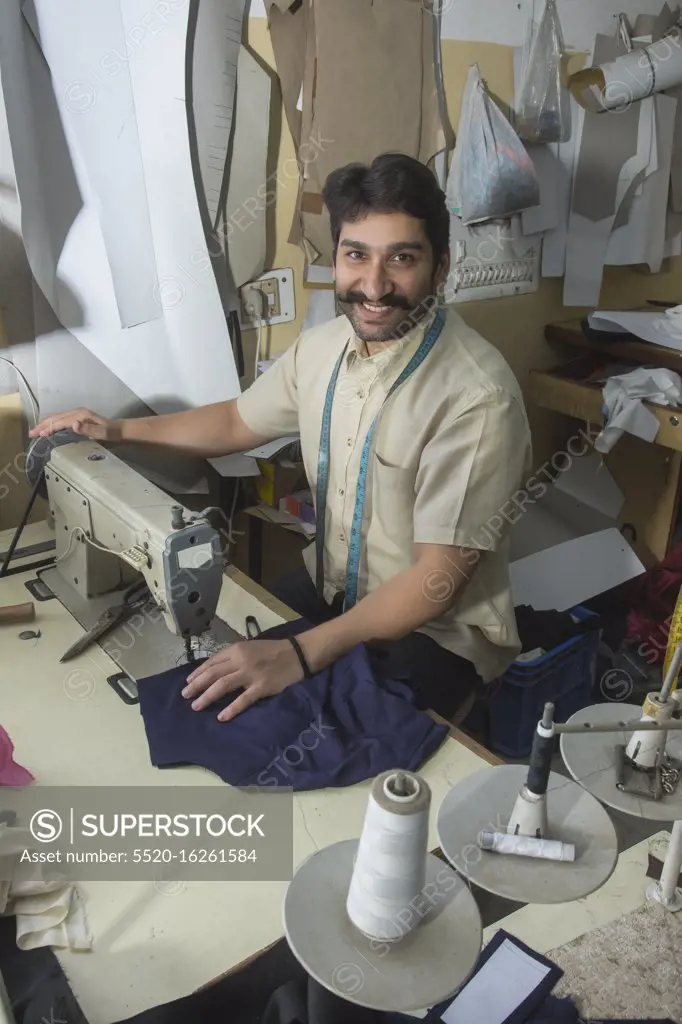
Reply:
x=414 y=438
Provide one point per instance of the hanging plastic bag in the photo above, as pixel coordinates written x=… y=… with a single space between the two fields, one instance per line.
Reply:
x=544 y=104
x=492 y=176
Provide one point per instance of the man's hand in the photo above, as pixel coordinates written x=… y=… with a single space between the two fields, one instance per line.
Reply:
x=260 y=667
x=80 y=421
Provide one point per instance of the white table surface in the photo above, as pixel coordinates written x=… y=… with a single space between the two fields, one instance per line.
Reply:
x=70 y=728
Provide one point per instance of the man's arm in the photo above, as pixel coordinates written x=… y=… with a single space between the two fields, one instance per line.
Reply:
x=209 y=431
x=414 y=597
x=266 y=410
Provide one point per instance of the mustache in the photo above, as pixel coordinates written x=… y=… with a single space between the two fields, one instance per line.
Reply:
x=395 y=301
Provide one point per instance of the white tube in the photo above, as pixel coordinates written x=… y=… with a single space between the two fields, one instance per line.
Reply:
x=671 y=869
x=526 y=846
x=631 y=77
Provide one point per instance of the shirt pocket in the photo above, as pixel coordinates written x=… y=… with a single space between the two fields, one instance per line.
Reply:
x=392 y=506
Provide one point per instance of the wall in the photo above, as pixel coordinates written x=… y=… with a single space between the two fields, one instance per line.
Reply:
x=514 y=325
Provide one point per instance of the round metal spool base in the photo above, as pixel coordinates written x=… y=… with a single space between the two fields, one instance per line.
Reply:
x=485 y=800
x=590 y=759
x=426 y=965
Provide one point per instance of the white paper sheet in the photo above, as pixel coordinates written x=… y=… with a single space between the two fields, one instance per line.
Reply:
x=652 y=327
x=589 y=481
x=184 y=357
x=318 y=275
x=248 y=192
x=562 y=576
x=503 y=983
x=103 y=128
x=270 y=448
x=321 y=307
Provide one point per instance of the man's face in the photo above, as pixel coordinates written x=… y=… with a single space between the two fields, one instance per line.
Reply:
x=383 y=274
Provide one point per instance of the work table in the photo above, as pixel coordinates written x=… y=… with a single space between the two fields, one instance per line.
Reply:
x=153 y=945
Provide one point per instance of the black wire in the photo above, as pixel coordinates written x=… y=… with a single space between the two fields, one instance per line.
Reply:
x=22 y=523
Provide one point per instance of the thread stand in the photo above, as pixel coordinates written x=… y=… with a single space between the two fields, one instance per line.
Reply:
x=591 y=758
x=437 y=937
x=486 y=800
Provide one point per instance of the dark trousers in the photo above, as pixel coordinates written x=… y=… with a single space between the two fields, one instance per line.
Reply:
x=307 y=1002
x=440 y=680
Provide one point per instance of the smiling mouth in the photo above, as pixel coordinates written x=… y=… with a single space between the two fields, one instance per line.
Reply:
x=376 y=310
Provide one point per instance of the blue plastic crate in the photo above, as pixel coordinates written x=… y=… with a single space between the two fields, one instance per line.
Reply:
x=564 y=676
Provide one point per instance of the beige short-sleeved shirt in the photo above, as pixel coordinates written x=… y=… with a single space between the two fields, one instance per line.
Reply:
x=451 y=448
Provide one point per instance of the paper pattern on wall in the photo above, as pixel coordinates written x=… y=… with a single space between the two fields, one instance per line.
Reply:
x=642 y=238
x=383 y=53
x=607 y=165
x=250 y=193
x=216 y=45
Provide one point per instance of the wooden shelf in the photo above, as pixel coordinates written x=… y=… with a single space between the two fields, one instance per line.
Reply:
x=619 y=347
x=561 y=390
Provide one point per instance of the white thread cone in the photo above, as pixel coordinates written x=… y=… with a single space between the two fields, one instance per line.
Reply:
x=390 y=864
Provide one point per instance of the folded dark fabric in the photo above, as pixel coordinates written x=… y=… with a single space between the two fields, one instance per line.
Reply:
x=341 y=726
x=549 y=629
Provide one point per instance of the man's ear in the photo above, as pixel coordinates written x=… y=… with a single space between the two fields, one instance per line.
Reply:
x=443 y=268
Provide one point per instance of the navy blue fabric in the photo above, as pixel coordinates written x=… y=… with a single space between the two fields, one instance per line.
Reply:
x=343 y=725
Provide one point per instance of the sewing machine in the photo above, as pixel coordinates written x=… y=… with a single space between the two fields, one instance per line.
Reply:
x=114 y=528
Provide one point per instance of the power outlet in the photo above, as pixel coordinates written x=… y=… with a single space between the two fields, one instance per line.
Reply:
x=270 y=288
x=278 y=289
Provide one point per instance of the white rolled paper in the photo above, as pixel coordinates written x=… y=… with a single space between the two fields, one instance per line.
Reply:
x=632 y=77
x=390 y=864
x=526 y=846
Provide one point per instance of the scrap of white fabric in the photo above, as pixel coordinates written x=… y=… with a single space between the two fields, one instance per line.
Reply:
x=49 y=910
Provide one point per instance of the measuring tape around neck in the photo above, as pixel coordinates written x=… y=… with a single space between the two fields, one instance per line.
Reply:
x=355 y=542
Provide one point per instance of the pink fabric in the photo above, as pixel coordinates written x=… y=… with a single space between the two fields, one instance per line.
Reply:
x=11 y=773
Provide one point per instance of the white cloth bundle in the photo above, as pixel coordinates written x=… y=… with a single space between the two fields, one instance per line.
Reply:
x=49 y=910
x=623 y=395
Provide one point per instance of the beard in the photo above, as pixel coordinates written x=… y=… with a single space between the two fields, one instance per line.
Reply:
x=398 y=314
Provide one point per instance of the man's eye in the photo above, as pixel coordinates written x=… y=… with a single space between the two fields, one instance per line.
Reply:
x=403 y=257
x=355 y=254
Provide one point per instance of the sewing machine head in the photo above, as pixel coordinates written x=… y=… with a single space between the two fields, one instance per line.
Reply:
x=112 y=524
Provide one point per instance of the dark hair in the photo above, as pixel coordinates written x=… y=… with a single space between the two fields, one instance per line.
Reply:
x=392 y=183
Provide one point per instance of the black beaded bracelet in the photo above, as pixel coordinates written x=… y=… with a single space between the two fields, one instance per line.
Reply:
x=301 y=656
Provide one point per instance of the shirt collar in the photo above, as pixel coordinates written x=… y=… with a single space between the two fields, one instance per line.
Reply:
x=382 y=359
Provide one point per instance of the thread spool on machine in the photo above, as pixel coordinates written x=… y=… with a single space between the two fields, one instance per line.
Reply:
x=381 y=922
